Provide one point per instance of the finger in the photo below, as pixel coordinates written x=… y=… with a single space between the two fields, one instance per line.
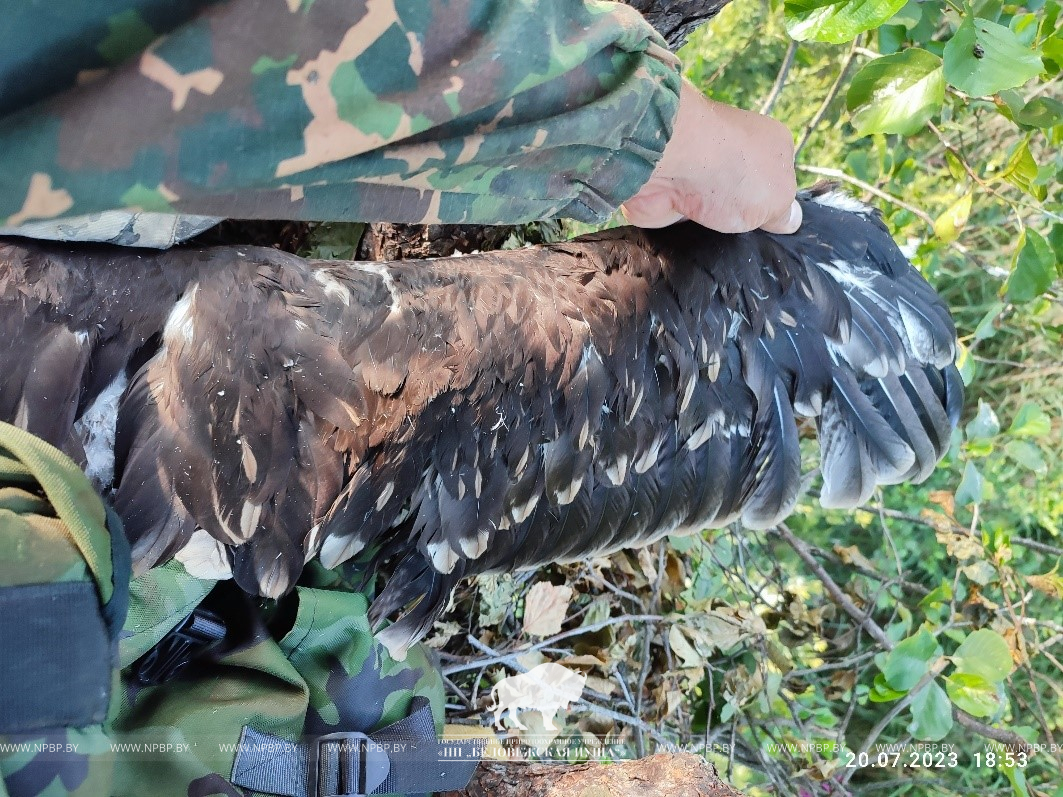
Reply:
x=650 y=211
x=787 y=222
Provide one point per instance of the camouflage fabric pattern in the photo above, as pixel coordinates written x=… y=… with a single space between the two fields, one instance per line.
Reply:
x=314 y=669
x=118 y=227
x=39 y=547
x=53 y=526
x=158 y=600
x=325 y=674
x=468 y=111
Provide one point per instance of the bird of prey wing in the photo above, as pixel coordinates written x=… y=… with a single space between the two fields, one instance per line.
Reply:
x=465 y=415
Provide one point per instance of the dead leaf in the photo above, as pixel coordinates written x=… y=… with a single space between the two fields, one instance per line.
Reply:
x=586 y=660
x=851 y=555
x=493 y=751
x=683 y=650
x=980 y=572
x=1048 y=583
x=960 y=546
x=441 y=634
x=603 y=685
x=840 y=683
x=946 y=500
x=545 y=607
x=675 y=575
x=531 y=659
x=648 y=565
x=779 y=656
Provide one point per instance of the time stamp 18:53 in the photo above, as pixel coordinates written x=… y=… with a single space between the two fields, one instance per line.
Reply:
x=934 y=759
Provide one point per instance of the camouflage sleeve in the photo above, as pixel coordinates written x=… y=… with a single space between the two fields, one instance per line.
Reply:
x=474 y=111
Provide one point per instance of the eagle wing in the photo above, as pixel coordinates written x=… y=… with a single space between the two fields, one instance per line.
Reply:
x=462 y=415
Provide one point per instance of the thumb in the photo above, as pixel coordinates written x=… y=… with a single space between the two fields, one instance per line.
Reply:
x=789 y=221
x=651 y=207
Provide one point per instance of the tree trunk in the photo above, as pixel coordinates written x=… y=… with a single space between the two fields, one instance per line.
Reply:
x=662 y=775
x=676 y=19
x=405 y=241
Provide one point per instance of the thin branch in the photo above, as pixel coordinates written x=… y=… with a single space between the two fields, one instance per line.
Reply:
x=1034 y=545
x=1007 y=738
x=835 y=592
x=831 y=95
x=803 y=551
x=838 y=174
x=510 y=658
x=649 y=632
x=780 y=79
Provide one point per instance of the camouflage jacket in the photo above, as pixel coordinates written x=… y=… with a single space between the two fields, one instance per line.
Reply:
x=475 y=111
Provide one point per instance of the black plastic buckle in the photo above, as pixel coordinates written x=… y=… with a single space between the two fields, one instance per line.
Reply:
x=345 y=765
x=197 y=633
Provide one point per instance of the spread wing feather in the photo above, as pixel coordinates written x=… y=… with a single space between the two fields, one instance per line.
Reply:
x=490 y=412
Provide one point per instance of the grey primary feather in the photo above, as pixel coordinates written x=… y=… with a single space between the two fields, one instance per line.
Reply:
x=491 y=412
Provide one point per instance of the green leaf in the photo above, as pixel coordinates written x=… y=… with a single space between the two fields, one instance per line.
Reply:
x=937 y=596
x=882 y=692
x=1017 y=778
x=1021 y=171
x=987 y=327
x=973 y=694
x=909 y=16
x=985 y=424
x=984 y=653
x=891 y=38
x=971 y=486
x=910 y=660
x=1041 y=112
x=947 y=226
x=1055 y=240
x=1030 y=421
x=1052 y=48
x=1034 y=268
x=1026 y=454
x=984 y=58
x=966 y=363
x=955 y=165
x=1025 y=27
x=931 y=714
x=896 y=93
x=836 y=21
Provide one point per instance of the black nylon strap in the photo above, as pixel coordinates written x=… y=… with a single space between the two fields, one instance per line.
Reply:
x=55 y=657
x=414 y=761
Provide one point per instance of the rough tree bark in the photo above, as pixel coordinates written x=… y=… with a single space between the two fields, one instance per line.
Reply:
x=678 y=775
x=676 y=19
x=404 y=241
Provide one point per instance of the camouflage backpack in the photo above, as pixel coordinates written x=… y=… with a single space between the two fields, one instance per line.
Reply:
x=196 y=689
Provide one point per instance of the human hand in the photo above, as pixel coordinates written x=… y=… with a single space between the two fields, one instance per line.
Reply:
x=725 y=168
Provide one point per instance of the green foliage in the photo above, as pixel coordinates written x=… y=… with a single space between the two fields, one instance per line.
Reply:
x=836 y=21
x=897 y=93
x=984 y=58
x=949 y=118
